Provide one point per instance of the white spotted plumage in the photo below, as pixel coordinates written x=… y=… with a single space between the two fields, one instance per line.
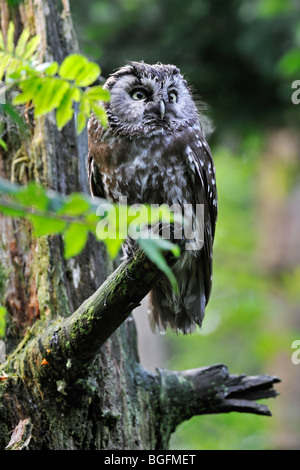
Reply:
x=154 y=151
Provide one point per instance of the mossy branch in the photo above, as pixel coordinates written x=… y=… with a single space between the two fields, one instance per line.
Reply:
x=209 y=390
x=69 y=345
x=63 y=352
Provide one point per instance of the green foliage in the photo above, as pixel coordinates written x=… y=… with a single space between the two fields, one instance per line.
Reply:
x=271 y=8
x=9 y=115
x=18 y=60
x=2 y=143
x=246 y=81
x=2 y=309
x=77 y=68
x=2 y=321
x=219 y=432
x=77 y=215
x=243 y=323
x=153 y=249
x=50 y=86
x=14 y=3
x=242 y=68
x=289 y=64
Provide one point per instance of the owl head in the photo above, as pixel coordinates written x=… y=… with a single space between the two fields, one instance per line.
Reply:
x=149 y=100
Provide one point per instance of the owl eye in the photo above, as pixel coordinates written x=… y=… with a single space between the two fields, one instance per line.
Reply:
x=138 y=94
x=172 y=97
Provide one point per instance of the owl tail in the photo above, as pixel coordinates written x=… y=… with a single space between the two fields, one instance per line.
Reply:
x=185 y=311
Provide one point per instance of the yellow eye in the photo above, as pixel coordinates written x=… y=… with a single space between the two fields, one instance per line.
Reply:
x=172 y=97
x=139 y=94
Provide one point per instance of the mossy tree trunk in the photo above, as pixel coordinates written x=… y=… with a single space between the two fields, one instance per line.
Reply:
x=38 y=283
x=57 y=394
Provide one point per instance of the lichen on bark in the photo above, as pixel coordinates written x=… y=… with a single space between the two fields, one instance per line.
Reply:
x=75 y=381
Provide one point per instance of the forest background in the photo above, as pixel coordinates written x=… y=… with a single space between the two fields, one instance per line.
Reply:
x=242 y=58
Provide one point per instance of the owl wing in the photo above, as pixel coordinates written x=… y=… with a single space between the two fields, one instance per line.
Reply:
x=95 y=154
x=204 y=180
x=193 y=271
x=95 y=180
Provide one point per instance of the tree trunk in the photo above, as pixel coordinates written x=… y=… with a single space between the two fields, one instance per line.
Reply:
x=67 y=395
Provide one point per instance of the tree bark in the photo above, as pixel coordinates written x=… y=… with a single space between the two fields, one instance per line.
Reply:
x=74 y=381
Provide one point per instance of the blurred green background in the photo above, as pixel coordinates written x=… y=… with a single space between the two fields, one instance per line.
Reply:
x=241 y=58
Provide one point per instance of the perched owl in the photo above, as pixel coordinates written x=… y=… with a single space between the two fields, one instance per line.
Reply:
x=154 y=152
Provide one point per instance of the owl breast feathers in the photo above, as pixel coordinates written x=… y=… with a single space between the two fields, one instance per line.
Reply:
x=154 y=152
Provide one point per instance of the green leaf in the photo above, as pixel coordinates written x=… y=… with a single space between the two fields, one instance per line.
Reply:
x=2 y=320
x=13 y=67
x=92 y=220
x=21 y=44
x=72 y=66
x=77 y=67
x=49 y=95
x=22 y=98
x=76 y=93
x=50 y=68
x=14 y=115
x=97 y=93
x=43 y=225
x=11 y=211
x=2 y=44
x=75 y=205
x=153 y=248
x=83 y=114
x=3 y=144
x=10 y=44
x=4 y=62
x=33 y=195
x=289 y=64
x=88 y=75
x=113 y=246
x=101 y=115
x=166 y=245
x=65 y=111
x=85 y=106
x=75 y=238
x=81 y=122
x=30 y=88
x=31 y=47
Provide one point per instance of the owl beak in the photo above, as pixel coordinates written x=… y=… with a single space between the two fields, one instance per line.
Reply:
x=162 y=109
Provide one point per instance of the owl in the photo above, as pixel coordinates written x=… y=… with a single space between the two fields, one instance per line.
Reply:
x=153 y=151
